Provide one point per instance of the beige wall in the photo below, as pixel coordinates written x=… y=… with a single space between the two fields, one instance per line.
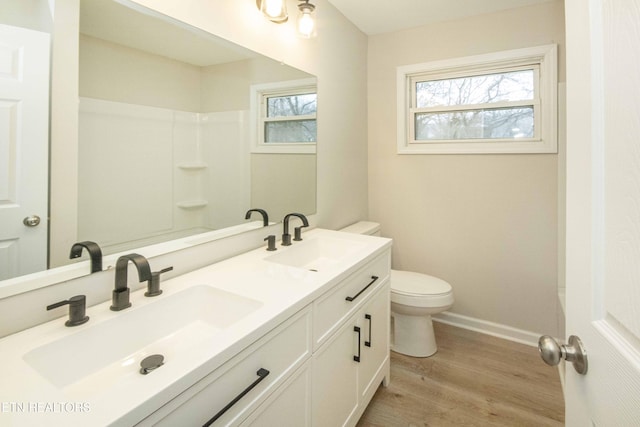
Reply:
x=293 y=174
x=118 y=73
x=485 y=223
x=225 y=86
x=114 y=72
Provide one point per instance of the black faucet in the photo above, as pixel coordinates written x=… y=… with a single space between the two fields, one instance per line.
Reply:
x=286 y=237
x=120 y=298
x=94 y=252
x=265 y=216
x=77 y=310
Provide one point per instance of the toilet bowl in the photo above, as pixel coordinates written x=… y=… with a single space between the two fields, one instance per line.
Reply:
x=414 y=298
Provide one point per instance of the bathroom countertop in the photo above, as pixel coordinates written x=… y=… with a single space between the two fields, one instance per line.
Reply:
x=27 y=398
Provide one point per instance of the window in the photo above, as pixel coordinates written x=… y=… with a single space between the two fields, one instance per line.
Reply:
x=284 y=117
x=496 y=103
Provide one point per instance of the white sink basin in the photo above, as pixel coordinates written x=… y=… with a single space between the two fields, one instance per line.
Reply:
x=170 y=326
x=317 y=253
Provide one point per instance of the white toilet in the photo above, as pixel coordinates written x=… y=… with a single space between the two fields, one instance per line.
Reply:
x=414 y=298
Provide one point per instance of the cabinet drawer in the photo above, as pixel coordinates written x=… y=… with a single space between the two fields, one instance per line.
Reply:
x=341 y=301
x=242 y=384
x=289 y=406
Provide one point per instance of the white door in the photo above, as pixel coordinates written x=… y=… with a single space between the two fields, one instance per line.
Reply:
x=603 y=209
x=24 y=135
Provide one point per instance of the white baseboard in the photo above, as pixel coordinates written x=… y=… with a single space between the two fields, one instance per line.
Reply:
x=489 y=328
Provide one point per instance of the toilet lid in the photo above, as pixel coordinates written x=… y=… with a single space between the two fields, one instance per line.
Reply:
x=411 y=283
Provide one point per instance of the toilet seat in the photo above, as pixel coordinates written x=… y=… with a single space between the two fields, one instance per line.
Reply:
x=420 y=290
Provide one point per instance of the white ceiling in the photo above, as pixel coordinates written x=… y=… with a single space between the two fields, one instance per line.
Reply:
x=385 y=16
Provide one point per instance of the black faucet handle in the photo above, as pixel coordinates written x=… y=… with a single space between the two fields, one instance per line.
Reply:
x=77 y=310
x=271 y=242
x=297 y=233
x=153 y=284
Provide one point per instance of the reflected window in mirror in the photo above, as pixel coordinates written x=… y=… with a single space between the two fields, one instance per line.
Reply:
x=284 y=117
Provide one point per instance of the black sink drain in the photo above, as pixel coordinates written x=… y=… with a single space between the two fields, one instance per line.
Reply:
x=150 y=363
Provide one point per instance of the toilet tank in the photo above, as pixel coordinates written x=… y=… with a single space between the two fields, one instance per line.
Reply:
x=363 y=227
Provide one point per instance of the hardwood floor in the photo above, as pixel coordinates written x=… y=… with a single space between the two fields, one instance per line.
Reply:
x=473 y=380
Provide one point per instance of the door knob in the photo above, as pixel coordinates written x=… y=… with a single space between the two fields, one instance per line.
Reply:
x=552 y=353
x=31 y=221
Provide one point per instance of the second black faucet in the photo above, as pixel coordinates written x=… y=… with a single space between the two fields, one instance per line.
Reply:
x=286 y=237
x=120 y=297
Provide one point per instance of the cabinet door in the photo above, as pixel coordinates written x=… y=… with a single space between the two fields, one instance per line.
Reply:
x=374 y=321
x=289 y=406
x=342 y=301
x=335 y=378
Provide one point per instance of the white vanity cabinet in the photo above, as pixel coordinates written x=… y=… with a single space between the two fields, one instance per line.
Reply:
x=325 y=363
x=353 y=358
x=233 y=391
x=299 y=338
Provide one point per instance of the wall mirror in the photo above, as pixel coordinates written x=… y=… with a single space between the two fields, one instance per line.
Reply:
x=164 y=136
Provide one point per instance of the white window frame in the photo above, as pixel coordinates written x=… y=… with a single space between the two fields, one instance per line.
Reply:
x=542 y=59
x=258 y=109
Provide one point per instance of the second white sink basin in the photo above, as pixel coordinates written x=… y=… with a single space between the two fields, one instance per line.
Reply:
x=171 y=326
x=317 y=253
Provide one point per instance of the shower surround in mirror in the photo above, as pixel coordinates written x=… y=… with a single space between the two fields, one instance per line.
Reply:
x=150 y=174
x=164 y=150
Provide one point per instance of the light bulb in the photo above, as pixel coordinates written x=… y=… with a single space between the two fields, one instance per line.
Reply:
x=306 y=24
x=272 y=8
x=306 y=21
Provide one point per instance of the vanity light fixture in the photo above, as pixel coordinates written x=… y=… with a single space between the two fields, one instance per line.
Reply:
x=273 y=10
x=306 y=24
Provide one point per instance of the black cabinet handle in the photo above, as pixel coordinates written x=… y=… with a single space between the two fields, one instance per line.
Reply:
x=373 y=279
x=357 y=358
x=262 y=374
x=368 y=317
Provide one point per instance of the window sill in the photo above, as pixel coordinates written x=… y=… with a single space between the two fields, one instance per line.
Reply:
x=479 y=147
x=284 y=149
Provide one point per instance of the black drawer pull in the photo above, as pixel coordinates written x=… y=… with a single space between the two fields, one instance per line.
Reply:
x=373 y=279
x=357 y=358
x=262 y=373
x=368 y=317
